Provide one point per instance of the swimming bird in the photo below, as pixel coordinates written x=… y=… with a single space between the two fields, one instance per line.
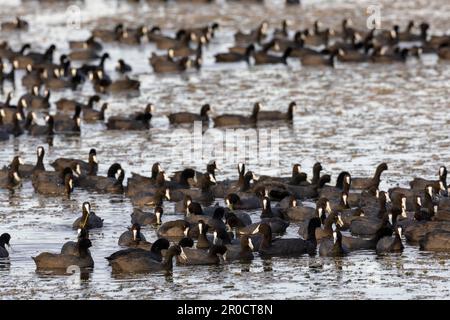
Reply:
x=88 y=220
x=4 y=240
x=52 y=261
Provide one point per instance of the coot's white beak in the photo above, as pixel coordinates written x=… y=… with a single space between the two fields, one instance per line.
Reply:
x=94 y=158
x=186 y=231
x=183 y=255
x=334 y=237
x=256 y=230
x=328 y=207
x=118 y=174
x=16 y=177
x=20 y=161
x=134 y=234
x=388 y=198
x=215 y=237
x=344 y=199
x=419 y=201
x=320 y=212
x=200 y=228
x=167 y=194
x=250 y=244
x=339 y=221
x=78 y=170
x=265 y=204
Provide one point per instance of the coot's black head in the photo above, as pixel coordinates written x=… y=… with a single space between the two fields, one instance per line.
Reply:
x=156 y=168
x=160 y=244
x=187 y=200
x=211 y=167
x=158 y=213
x=232 y=199
x=337 y=236
x=114 y=170
x=246 y=243
x=5 y=238
x=205 y=109
x=326 y=178
x=136 y=226
x=250 y=176
x=218 y=249
x=232 y=220
x=249 y=50
x=16 y=162
x=186 y=243
x=317 y=167
x=202 y=227
x=263 y=229
x=83 y=233
x=266 y=203
x=256 y=109
x=94 y=98
x=382 y=167
x=86 y=207
x=187 y=173
x=210 y=180
x=292 y=202
x=180 y=34
x=241 y=169
x=343 y=178
x=442 y=172
x=40 y=152
x=155 y=29
x=219 y=213
x=84 y=243
x=313 y=224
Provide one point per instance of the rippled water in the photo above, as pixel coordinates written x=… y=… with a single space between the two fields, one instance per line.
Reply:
x=352 y=117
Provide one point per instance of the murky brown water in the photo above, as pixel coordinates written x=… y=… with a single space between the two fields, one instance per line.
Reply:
x=352 y=118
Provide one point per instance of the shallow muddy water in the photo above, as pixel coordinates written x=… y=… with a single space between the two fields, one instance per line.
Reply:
x=351 y=117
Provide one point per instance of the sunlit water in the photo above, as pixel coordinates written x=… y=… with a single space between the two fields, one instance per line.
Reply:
x=352 y=117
